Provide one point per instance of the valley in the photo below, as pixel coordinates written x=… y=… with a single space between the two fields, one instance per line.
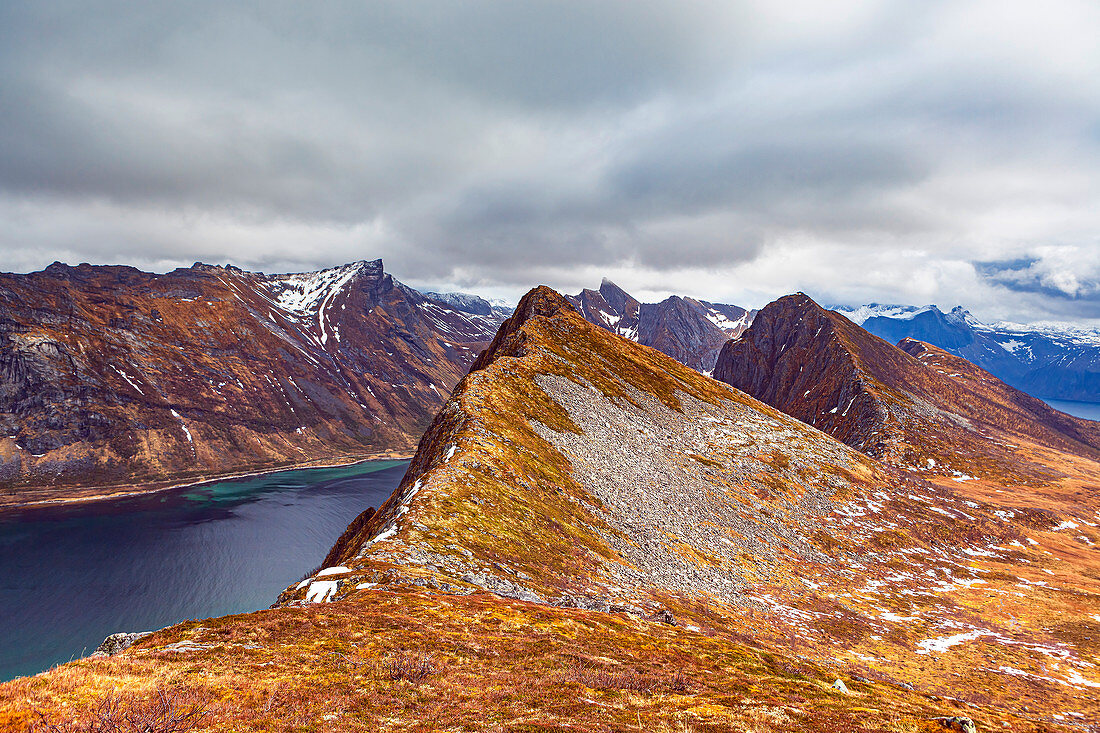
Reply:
x=592 y=534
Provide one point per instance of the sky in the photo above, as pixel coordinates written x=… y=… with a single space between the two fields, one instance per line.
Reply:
x=894 y=152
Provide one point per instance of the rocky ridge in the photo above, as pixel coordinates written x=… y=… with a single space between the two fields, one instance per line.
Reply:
x=594 y=536
x=619 y=477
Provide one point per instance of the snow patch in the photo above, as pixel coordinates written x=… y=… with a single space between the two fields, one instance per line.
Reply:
x=321 y=591
x=338 y=570
x=944 y=643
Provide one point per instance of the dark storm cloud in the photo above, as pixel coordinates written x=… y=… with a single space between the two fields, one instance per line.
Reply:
x=732 y=149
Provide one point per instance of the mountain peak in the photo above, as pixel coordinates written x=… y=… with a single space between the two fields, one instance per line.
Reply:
x=542 y=301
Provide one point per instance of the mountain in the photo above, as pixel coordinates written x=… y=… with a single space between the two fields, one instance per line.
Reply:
x=113 y=377
x=592 y=536
x=913 y=405
x=1045 y=360
x=472 y=304
x=689 y=330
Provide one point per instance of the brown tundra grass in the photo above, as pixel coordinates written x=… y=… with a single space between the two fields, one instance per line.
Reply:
x=165 y=713
x=412 y=667
x=596 y=677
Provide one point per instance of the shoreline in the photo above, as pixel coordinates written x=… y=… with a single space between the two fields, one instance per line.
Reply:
x=130 y=491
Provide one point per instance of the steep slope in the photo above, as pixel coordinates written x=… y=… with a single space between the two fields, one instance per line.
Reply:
x=1050 y=361
x=689 y=330
x=110 y=376
x=936 y=412
x=593 y=536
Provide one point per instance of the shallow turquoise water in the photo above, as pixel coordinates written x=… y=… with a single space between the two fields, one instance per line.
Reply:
x=70 y=575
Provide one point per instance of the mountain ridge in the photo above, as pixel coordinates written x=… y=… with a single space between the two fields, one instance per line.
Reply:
x=903 y=405
x=1055 y=361
x=593 y=535
x=689 y=330
x=115 y=378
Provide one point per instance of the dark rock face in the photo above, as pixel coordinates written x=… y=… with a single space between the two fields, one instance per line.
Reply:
x=689 y=330
x=794 y=357
x=903 y=405
x=610 y=307
x=109 y=375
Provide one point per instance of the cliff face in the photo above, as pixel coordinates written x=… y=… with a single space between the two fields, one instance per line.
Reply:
x=689 y=330
x=914 y=406
x=112 y=376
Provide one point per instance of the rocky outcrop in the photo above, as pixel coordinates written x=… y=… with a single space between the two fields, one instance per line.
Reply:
x=116 y=643
x=113 y=376
x=800 y=358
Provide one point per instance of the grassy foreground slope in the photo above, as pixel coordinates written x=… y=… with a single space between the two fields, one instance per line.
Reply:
x=595 y=537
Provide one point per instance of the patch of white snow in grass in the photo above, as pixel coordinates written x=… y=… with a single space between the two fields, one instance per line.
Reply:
x=338 y=570
x=321 y=591
x=942 y=644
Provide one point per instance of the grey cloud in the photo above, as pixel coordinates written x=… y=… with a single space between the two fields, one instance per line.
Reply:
x=505 y=143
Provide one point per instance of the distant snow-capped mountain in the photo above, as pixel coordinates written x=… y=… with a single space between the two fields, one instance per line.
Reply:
x=472 y=304
x=1051 y=360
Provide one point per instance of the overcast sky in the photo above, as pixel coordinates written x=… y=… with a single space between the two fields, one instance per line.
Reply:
x=911 y=152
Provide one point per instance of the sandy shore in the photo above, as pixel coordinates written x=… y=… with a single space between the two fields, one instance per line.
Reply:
x=69 y=495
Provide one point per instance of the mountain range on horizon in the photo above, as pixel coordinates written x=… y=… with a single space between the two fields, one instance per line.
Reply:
x=113 y=377
x=1052 y=361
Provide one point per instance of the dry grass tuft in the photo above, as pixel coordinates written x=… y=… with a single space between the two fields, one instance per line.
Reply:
x=414 y=668
x=604 y=678
x=165 y=713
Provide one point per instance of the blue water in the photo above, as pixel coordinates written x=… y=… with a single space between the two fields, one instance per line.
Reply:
x=70 y=575
x=1087 y=410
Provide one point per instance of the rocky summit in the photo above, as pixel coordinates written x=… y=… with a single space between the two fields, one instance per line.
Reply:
x=115 y=379
x=593 y=536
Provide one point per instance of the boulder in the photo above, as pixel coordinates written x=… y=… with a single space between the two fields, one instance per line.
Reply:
x=115 y=643
x=958 y=723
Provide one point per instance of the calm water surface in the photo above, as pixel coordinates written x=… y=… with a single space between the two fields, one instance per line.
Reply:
x=1087 y=410
x=71 y=575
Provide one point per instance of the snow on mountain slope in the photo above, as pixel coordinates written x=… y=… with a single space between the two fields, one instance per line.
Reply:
x=876 y=310
x=305 y=292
